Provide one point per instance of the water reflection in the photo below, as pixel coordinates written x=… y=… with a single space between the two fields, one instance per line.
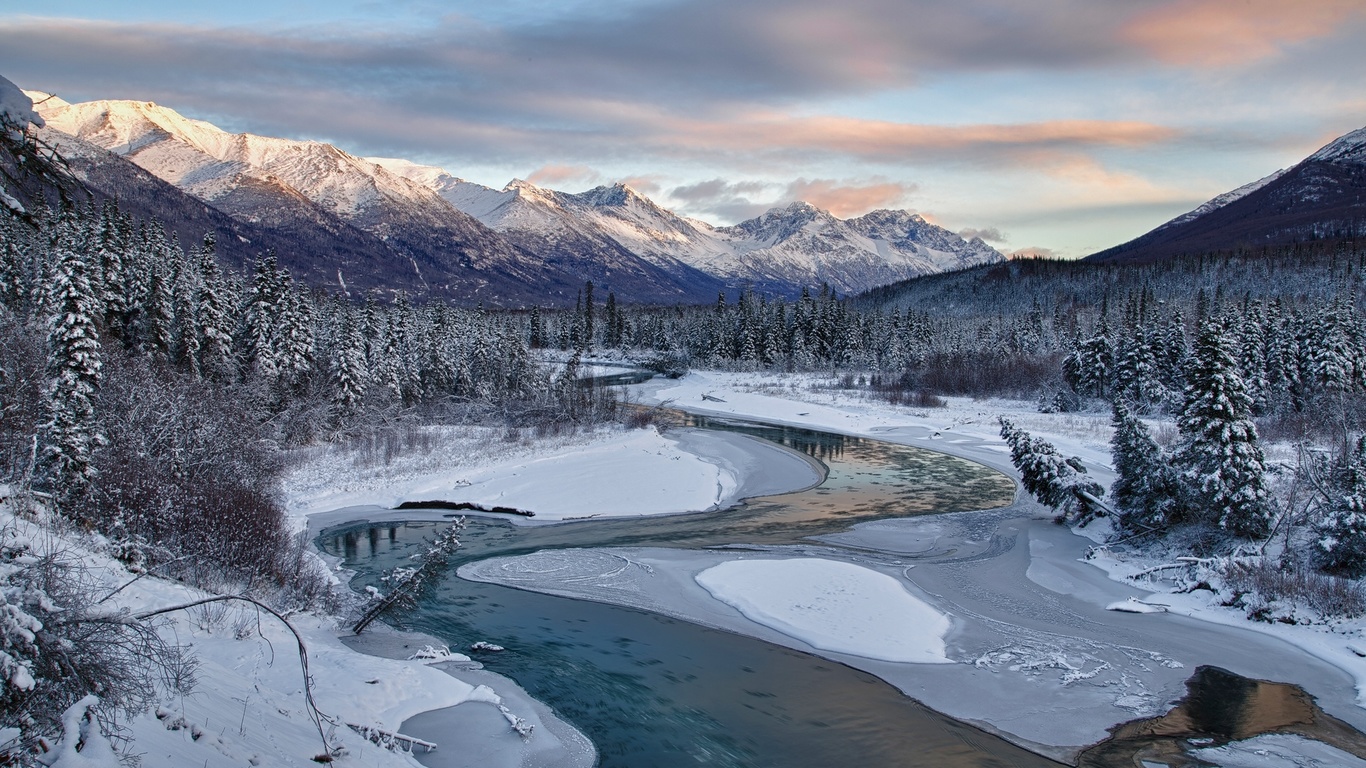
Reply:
x=1220 y=707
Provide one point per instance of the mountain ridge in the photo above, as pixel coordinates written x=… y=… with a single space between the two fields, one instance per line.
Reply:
x=447 y=236
x=1321 y=199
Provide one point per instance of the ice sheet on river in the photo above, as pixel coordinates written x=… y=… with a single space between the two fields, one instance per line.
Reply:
x=1043 y=663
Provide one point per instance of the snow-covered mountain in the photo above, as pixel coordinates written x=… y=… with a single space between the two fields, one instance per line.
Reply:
x=780 y=251
x=282 y=183
x=1319 y=200
x=805 y=245
x=432 y=232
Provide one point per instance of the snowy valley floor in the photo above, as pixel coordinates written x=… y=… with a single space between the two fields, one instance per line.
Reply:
x=999 y=619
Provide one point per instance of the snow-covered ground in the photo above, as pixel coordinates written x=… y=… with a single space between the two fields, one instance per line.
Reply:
x=607 y=473
x=832 y=605
x=248 y=705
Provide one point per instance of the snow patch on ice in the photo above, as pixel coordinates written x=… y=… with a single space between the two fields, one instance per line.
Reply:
x=833 y=606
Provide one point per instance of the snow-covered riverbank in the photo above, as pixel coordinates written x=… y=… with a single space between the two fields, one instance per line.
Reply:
x=609 y=473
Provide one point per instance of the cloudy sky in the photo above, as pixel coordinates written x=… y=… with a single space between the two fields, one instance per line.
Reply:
x=1063 y=126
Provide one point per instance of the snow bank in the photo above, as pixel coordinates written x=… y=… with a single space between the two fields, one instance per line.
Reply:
x=606 y=474
x=834 y=606
x=636 y=473
x=965 y=427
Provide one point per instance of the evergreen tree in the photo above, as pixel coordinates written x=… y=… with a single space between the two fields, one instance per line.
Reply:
x=212 y=316
x=348 y=369
x=1219 y=458
x=1340 y=514
x=1135 y=377
x=1051 y=479
x=1146 y=490
x=70 y=435
x=587 y=340
x=261 y=320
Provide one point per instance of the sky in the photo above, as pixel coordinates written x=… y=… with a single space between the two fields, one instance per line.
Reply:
x=1055 y=127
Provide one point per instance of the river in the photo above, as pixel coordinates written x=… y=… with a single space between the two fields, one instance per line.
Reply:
x=653 y=690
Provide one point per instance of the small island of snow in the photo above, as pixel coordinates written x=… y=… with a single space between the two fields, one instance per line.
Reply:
x=833 y=606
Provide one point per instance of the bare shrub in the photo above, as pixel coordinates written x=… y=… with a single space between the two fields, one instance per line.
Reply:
x=985 y=374
x=1330 y=596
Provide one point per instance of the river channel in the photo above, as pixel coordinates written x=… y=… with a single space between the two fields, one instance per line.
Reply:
x=655 y=691
x=650 y=690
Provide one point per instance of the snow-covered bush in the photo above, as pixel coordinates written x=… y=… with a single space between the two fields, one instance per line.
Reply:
x=1271 y=590
x=1339 y=512
x=59 y=644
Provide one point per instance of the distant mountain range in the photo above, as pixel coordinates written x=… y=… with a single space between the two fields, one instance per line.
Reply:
x=1321 y=200
x=375 y=223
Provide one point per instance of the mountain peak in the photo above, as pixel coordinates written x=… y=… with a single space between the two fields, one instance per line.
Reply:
x=1350 y=147
x=526 y=188
x=616 y=194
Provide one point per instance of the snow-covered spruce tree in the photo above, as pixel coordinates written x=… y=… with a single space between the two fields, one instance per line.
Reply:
x=1090 y=369
x=1135 y=377
x=349 y=375
x=1339 y=514
x=1146 y=491
x=69 y=437
x=1053 y=480
x=1219 y=458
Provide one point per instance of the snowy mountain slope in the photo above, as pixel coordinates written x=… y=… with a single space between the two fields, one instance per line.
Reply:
x=1219 y=201
x=1319 y=200
x=411 y=236
x=314 y=247
x=420 y=241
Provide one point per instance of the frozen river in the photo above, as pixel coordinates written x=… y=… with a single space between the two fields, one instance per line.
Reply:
x=659 y=667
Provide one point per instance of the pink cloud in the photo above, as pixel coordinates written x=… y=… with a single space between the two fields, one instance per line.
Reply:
x=1230 y=32
x=554 y=175
x=849 y=199
x=648 y=185
x=885 y=140
x=1031 y=252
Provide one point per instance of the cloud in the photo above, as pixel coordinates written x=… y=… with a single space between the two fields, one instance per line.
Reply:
x=845 y=200
x=722 y=201
x=988 y=234
x=731 y=202
x=647 y=185
x=1031 y=252
x=886 y=141
x=1216 y=33
x=557 y=175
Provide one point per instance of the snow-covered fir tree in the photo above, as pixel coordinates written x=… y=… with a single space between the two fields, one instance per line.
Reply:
x=70 y=435
x=1054 y=481
x=1146 y=491
x=1219 y=457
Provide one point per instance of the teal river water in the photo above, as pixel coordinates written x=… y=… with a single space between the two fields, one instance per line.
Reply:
x=654 y=691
